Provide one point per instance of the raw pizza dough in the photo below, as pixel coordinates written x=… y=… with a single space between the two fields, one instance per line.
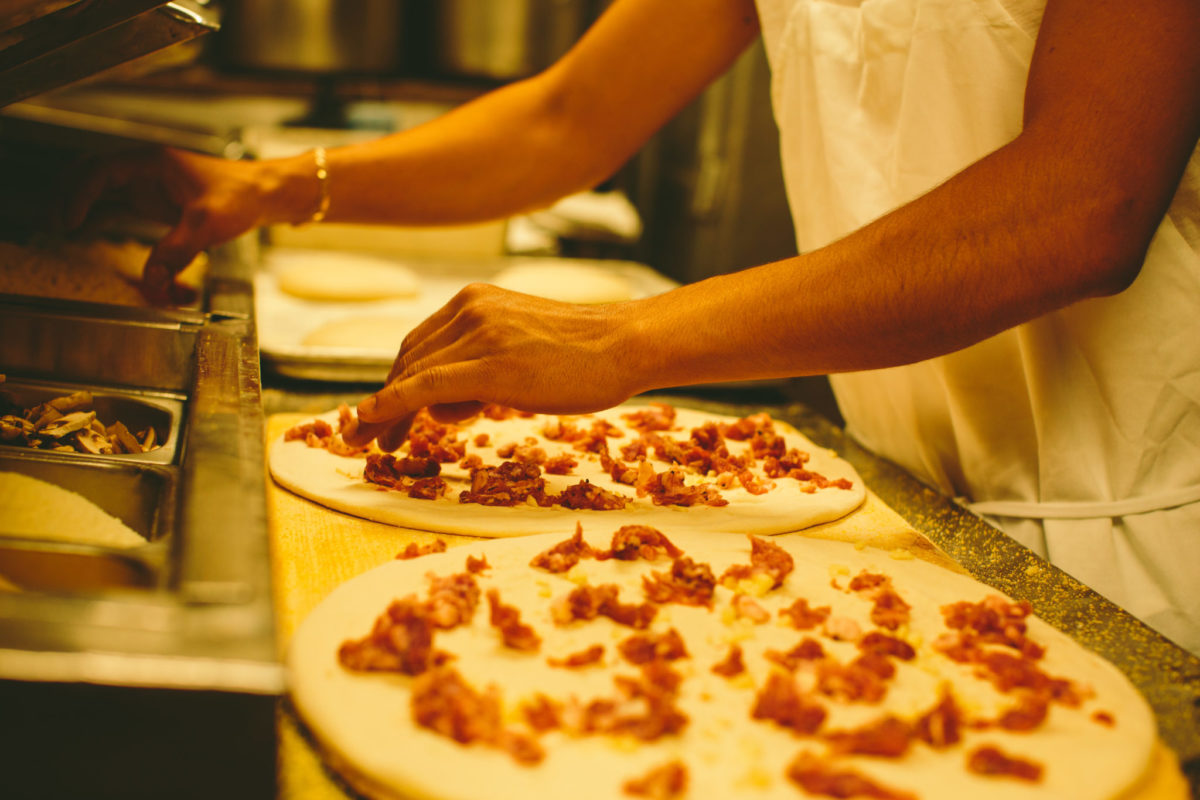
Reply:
x=379 y=332
x=331 y=276
x=364 y=724
x=34 y=509
x=570 y=283
x=336 y=482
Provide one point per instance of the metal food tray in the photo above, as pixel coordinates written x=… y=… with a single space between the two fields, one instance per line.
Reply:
x=284 y=320
x=152 y=670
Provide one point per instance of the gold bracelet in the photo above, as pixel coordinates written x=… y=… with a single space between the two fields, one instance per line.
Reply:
x=322 y=185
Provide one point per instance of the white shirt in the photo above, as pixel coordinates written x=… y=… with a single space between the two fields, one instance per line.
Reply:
x=1077 y=433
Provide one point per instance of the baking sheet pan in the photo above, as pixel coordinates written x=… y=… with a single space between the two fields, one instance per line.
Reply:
x=284 y=321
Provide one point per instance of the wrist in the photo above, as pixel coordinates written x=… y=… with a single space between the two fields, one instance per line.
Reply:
x=295 y=189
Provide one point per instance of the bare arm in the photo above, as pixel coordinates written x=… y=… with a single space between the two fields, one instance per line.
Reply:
x=1062 y=213
x=520 y=147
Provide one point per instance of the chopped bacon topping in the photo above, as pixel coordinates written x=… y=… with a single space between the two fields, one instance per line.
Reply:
x=432 y=439
x=507 y=619
x=588 y=602
x=642 y=648
x=991 y=761
x=645 y=707
x=477 y=565
x=669 y=489
x=658 y=417
x=506 y=485
x=808 y=649
x=542 y=713
x=881 y=643
x=427 y=488
x=803 y=617
x=446 y=704
x=587 y=657
x=320 y=433
x=586 y=495
x=889 y=610
x=688 y=583
x=564 y=555
x=816 y=775
x=859 y=681
x=1027 y=715
x=781 y=701
x=414 y=550
x=766 y=558
x=1104 y=718
x=941 y=726
x=401 y=640
x=526 y=453
x=666 y=782
x=481 y=440
x=631 y=542
x=318 y=430
x=732 y=664
x=887 y=737
x=993 y=620
x=452 y=599
x=560 y=464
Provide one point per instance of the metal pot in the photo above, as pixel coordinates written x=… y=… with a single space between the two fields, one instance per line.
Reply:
x=312 y=36
x=505 y=39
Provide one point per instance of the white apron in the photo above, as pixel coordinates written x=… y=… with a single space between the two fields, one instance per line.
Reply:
x=1078 y=433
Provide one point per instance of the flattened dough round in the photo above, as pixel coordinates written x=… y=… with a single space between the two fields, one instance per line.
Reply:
x=564 y=281
x=364 y=724
x=336 y=482
x=333 y=276
x=369 y=332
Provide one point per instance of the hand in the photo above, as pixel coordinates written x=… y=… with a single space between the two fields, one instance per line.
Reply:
x=489 y=345
x=203 y=199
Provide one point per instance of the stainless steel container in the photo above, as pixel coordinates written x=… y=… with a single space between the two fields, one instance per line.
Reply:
x=312 y=36
x=505 y=40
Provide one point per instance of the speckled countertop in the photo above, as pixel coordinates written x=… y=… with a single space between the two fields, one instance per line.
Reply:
x=1167 y=675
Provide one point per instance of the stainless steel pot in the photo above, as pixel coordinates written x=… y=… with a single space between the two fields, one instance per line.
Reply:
x=312 y=36
x=505 y=39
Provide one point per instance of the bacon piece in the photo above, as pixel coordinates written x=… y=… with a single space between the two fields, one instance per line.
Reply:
x=452 y=599
x=583 y=658
x=665 y=782
x=1104 y=718
x=506 y=485
x=859 y=681
x=807 y=650
x=631 y=542
x=481 y=440
x=993 y=762
x=319 y=429
x=688 y=583
x=658 y=417
x=733 y=663
x=642 y=648
x=993 y=620
x=429 y=438
x=477 y=565
x=816 y=775
x=471 y=461
x=446 y=704
x=588 y=602
x=542 y=713
x=427 y=489
x=507 y=619
x=414 y=550
x=802 y=616
x=564 y=555
x=882 y=644
x=586 y=495
x=669 y=489
x=401 y=640
x=781 y=701
x=766 y=558
x=1027 y=715
x=887 y=737
x=842 y=629
x=560 y=465
x=941 y=726
x=380 y=469
x=888 y=610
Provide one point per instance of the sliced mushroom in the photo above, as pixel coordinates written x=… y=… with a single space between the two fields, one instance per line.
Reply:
x=43 y=415
x=149 y=439
x=91 y=442
x=123 y=440
x=76 y=401
x=68 y=424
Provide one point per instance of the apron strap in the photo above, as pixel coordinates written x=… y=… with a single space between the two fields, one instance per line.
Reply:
x=1088 y=509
